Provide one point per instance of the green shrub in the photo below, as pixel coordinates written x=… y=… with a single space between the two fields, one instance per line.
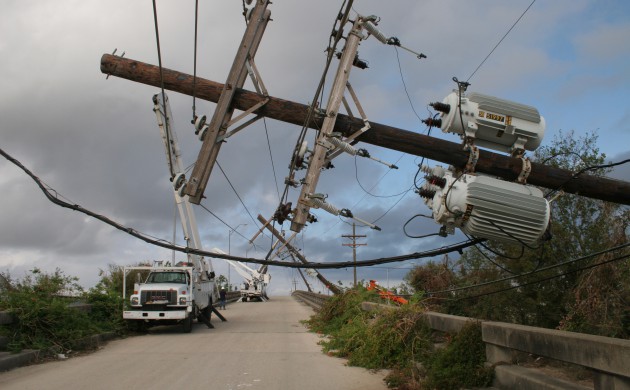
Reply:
x=39 y=304
x=461 y=363
x=374 y=340
x=43 y=318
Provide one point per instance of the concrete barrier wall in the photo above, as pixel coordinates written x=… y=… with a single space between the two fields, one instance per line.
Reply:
x=314 y=300
x=608 y=358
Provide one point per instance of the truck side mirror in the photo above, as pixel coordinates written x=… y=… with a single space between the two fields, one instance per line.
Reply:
x=138 y=278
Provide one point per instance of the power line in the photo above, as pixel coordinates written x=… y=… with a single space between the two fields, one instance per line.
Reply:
x=159 y=53
x=547 y=278
x=235 y=192
x=332 y=44
x=532 y=272
x=405 y=85
x=501 y=40
x=391 y=207
x=356 y=176
x=589 y=168
x=195 y=60
x=48 y=192
x=273 y=167
x=222 y=221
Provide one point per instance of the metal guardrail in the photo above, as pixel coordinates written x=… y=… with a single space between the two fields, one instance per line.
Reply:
x=314 y=300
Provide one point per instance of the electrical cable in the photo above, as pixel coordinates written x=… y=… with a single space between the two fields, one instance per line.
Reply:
x=623 y=257
x=195 y=62
x=503 y=254
x=562 y=154
x=615 y=248
x=494 y=262
x=356 y=176
x=590 y=168
x=311 y=110
x=273 y=167
x=223 y=222
x=458 y=247
x=390 y=208
x=411 y=219
x=405 y=85
x=501 y=40
x=237 y=195
x=159 y=53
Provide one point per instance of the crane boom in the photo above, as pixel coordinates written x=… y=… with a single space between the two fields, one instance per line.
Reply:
x=176 y=168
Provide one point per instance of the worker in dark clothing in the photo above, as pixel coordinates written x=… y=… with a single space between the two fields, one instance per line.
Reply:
x=222 y=294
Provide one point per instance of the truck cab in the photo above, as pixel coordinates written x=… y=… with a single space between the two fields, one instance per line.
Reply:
x=169 y=295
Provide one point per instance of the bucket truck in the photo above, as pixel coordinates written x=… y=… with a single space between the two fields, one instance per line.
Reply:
x=255 y=282
x=174 y=293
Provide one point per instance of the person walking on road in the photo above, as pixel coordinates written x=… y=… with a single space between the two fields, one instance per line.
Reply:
x=222 y=294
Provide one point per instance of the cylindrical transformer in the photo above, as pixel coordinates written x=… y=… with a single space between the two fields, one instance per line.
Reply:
x=486 y=207
x=494 y=123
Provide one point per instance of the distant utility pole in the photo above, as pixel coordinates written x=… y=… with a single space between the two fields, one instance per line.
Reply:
x=354 y=246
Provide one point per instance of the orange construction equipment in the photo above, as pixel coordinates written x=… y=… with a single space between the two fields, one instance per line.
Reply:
x=385 y=294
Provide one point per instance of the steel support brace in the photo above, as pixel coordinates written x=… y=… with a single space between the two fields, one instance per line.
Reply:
x=473 y=157
x=202 y=317
x=351 y=138
x=215 y=311
x=527 y=169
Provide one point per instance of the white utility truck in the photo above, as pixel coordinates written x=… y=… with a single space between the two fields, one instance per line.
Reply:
x=180 y=293
x=170 y=295
x=254 y=287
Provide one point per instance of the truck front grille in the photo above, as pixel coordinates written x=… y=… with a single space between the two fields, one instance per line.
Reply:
x=158 y=296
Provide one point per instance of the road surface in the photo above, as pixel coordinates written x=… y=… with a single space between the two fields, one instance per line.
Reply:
x=263 y=346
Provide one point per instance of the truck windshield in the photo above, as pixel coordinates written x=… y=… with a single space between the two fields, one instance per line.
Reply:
x=167 y=277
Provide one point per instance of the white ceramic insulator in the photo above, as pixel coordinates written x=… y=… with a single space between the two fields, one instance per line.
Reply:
x=321 y=204
x=346 y=147
x=375 y=32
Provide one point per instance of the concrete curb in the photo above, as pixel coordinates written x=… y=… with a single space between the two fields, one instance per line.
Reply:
x=9 y=361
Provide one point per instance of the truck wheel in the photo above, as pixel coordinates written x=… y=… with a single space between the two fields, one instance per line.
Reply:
x=141 y=327
x=187 y=324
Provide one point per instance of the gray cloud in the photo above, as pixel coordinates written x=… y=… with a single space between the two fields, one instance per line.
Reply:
x=97 y=143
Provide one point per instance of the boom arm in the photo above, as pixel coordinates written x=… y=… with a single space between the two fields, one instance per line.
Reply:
x=173 y=157
x=246 y=272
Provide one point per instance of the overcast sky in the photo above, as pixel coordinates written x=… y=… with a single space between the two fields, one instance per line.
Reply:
x=96 y=141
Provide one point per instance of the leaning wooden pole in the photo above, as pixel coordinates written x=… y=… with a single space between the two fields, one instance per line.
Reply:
x=331 y=286
x=506 y=167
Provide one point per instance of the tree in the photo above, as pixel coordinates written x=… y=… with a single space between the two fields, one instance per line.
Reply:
x=572 y=296
x=221 y=280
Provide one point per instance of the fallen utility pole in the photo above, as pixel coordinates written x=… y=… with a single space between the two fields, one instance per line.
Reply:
x=332 y=287
x=447 y=152
x=222 y=118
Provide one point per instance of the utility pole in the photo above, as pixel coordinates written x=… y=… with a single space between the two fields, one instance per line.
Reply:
x=503 y=166
x=276 y=233
x=215 y=133
x=354 y=246
x=318 y=158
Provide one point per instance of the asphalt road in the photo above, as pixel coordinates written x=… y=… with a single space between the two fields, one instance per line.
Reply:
x=263 y=346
